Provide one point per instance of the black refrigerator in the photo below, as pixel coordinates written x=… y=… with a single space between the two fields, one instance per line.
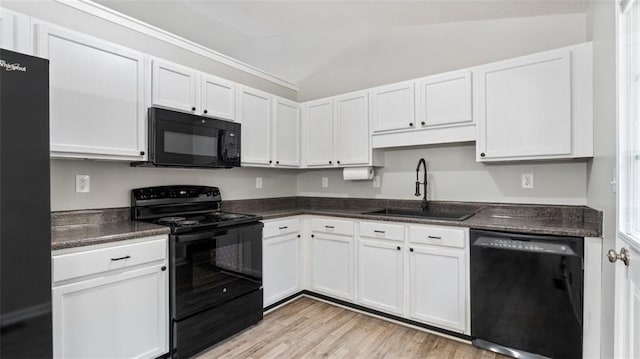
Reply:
x=25 y=214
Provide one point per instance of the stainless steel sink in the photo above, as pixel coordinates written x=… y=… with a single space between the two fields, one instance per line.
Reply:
x=451 y=216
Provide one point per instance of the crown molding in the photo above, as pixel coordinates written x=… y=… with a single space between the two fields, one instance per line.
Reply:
x=105 y=13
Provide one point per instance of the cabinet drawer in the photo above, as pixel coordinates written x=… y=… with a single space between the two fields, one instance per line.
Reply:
x=93 y=261
x=440 y=236
x=333 y=226
x=280 y=227
x=382 y=230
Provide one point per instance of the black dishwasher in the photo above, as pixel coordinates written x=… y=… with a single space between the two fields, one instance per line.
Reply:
x=527 y=294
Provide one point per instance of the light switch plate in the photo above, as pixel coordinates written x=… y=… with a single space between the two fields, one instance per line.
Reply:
x=325 y=182
x=258 y=182
x=527 y=180
x=83 y=183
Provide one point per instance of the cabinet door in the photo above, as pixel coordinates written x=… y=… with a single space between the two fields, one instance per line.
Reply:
x=437 y=287
x=524 y=106
x=380 y=275
x=318 y=117
x=255 y=115
x=218 y=97
x=97 y=107
x=174 y=86
x=280 y=267
x=286 y=138
x=445 y=100
x=123 y=315
x=332 y=265
x=352 y=129
x=393 y=107
x=15 y=31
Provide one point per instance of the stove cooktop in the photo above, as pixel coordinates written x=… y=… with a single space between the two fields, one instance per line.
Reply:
x=204 y=221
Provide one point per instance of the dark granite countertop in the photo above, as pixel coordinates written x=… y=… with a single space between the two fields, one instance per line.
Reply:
x=83 y=228
x=578 y=221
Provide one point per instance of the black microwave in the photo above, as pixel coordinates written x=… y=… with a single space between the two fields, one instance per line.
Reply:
x=186 y=140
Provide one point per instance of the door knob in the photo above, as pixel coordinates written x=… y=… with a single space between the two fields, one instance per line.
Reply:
x=623 y=256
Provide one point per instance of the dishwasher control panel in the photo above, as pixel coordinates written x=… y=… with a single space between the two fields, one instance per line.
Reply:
x=524 y=245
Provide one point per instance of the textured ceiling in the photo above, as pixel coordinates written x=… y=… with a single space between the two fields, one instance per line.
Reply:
x=290 y=39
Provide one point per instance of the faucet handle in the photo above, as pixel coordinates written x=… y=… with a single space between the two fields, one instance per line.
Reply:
x=417 y=194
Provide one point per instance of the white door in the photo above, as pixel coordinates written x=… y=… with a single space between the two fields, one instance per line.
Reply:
x=286 y=136
x=218 y=97
x=174 y=86
x=626 y=254
x=352 y=129
x=445 y=100
x=318 y=118
x=123 y=315
x=281 y=272
x=332 y=265
x=255 y=117
x=524 y=106
x=393 y=107
x=97 y=107
x=381 y=275
x=437 y=282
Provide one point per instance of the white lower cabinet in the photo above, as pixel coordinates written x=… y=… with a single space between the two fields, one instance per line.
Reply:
x=332 y=258
x=120 y=312
x=281 y=260
x=381 y=275
x=437 y=287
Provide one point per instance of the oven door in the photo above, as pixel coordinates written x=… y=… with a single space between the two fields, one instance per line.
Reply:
x=182 y=139
x=210 y=268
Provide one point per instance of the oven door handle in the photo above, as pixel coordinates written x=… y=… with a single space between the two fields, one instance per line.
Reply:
x=185 y=238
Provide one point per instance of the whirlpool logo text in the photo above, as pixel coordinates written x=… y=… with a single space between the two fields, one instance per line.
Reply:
x=12 y=67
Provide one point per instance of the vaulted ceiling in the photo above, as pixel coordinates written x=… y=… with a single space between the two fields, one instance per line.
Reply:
x=291 y=39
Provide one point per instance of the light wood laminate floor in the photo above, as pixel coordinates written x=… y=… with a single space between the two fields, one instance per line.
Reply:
x=308 y=328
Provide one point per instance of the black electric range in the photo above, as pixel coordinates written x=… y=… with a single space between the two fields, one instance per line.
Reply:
x=215 y=264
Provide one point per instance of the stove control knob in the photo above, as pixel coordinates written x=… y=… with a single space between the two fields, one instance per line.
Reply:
x=224 y=290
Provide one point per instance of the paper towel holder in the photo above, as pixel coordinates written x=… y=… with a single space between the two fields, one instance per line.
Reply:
x=358 y=173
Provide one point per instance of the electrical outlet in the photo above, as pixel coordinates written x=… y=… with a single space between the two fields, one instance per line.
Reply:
x=83 y=184
x=325 y=182
x=527 y=180
x=258 y=182
x=376 y=181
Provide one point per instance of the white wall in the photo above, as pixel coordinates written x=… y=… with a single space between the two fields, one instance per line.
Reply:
x=454 y=175
x=111 y=182
x=601 y=27
x=405 y=53
x=57 y=13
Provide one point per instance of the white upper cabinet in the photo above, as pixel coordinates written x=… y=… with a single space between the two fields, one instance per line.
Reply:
x=174 y=86
x=218 y=97
x=445 y=100
x=286 y=133
x=536 y=106
x=393 y=107
x=15 y=31
x=183 y=88
x=352 y=129
x=255 y=115
x=431 y=110
x=97 y=107
x=318 y=119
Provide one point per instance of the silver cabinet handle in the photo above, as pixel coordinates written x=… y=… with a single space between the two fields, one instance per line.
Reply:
x=434 y=237
x=623 y=256
x=121 y=258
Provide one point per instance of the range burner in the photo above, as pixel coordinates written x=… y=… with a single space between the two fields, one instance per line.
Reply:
x=171 y=220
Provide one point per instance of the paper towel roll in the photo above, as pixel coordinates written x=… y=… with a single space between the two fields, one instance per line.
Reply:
x=357 y=173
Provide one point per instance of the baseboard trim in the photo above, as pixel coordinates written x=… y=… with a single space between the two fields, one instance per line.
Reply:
x=371 y=312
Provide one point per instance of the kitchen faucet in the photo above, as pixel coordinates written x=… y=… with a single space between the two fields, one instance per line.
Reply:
x=424 y=204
